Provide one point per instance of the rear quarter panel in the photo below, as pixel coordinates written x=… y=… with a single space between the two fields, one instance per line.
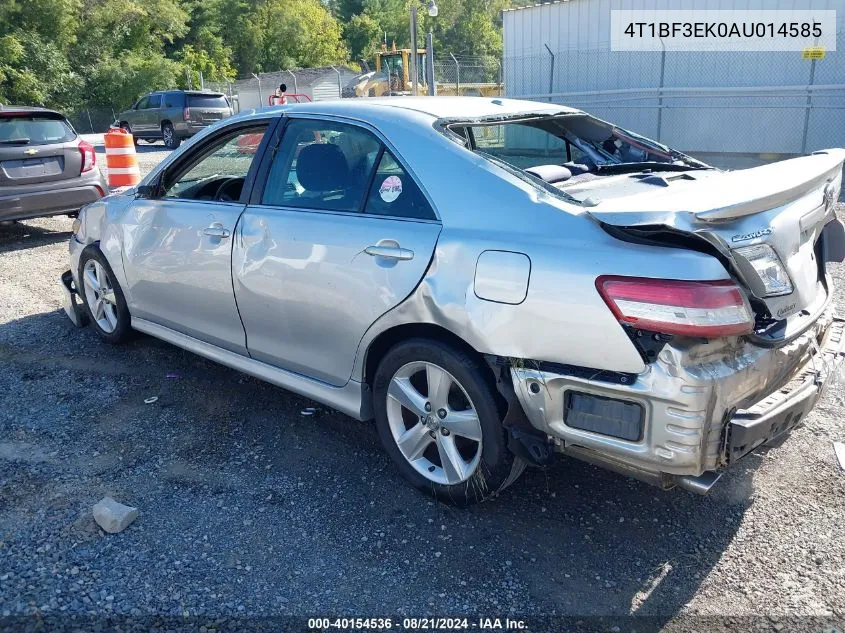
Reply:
x=563 y=318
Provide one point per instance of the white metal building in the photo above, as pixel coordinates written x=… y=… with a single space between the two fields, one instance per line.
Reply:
x=755 y=102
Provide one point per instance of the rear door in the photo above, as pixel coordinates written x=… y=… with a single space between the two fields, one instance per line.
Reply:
x=340 y=234
x=207 y=108
x=36 y=148
x=173 y=106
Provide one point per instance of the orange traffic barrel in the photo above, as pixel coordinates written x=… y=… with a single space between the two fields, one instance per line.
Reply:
x=121 y=160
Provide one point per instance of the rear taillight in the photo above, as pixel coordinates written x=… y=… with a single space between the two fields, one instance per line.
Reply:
x=89 y=156
x=186 y=114
x=706 y=309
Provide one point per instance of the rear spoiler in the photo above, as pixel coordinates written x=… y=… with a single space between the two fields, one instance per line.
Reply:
x=777 y=198
x=721 y=197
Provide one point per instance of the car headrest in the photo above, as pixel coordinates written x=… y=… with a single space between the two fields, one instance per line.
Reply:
x=322 y=167
x=550 y=173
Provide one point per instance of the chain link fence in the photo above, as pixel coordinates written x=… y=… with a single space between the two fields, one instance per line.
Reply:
x=463 y=75
x=92 y=120
x=748 y=102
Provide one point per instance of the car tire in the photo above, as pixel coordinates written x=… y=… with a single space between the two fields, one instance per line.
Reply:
x=125 y=126
x=102 y=297
x=449 y=442
x=171 y=141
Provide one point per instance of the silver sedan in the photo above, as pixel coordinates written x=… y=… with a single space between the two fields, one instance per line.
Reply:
x=493 y=281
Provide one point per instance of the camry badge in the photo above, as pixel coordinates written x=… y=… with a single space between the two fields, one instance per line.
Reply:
x=31 y=152
x=750 y=236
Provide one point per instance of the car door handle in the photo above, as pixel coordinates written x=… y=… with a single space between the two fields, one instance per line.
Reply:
x=216 y=230
x=390 y=252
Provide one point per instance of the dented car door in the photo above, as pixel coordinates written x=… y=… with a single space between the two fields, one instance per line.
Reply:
x=178 y=239
x=340 y=234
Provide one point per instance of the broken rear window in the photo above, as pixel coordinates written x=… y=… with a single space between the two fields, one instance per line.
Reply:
x=578 y=142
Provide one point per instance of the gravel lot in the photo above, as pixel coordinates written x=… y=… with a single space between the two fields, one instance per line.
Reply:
x=249 y=507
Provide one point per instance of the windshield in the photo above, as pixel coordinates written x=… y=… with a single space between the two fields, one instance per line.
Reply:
x=34 y=129
x=577 y=140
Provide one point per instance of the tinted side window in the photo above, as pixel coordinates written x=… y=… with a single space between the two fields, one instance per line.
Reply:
x=395 y=193
x=142 y=103
x=154 y=102
x=322 y=165
x=174 y=100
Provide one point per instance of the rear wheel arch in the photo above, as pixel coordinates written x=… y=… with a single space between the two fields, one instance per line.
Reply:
x=479 y=463
x=168 y=134
x=391 y=337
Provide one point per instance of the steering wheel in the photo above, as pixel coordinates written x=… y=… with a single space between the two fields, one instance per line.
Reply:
x=221 y=196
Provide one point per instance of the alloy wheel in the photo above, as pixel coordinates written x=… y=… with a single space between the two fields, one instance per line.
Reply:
x=167 y=133
x=434 y=423
x=99 y=295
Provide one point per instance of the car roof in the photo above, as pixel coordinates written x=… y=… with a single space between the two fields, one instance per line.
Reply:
x=187 y=92
x=14 y=109
x=460 y=108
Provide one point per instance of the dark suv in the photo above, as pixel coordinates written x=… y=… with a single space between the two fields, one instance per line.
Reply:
x=172 y=115
x=45 y=168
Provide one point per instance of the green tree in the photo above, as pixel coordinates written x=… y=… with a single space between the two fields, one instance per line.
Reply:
x=213 y=67
x=54 y=20
x=363 y=35
x=35 y=71
x=345 y=10
x=299 y=33
x=242 y=34
x=203 y=49
x=117 y=82
x=71 y=53
x=114 y=27
x=392 y=18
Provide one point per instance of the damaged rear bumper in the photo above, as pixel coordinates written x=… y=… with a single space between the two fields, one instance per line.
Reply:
x=782 y=410
x=691 y=412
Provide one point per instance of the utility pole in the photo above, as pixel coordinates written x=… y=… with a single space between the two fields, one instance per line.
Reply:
x=414 y=74
x=429 y=58
x=429 y=70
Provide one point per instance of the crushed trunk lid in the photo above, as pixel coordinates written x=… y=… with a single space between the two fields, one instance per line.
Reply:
x=784 y=205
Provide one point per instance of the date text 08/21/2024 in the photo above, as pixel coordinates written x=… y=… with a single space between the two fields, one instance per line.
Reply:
x=417 y=624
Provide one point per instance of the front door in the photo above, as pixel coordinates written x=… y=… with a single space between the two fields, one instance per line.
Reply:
x=340 y=235
x=150 y=115
x=178 y=243
x=135 y=116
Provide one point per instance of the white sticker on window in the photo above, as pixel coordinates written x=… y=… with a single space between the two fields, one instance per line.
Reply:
x=390 y=189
